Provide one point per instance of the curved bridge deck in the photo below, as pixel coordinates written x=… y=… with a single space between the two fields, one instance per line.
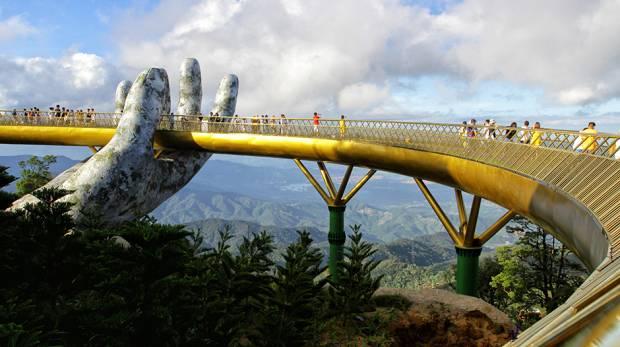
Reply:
x=566 y=181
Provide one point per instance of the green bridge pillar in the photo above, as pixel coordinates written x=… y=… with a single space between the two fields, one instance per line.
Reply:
x=337 y=238
x=336 y=200
x=468 y=245
x=467 y=270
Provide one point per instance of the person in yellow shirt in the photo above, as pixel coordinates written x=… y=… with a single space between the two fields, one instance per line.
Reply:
x=588 y=140
x=463 y=130
x=342 y=126
x=536 y=135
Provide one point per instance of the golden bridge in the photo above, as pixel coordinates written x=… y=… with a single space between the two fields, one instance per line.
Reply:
x=568 y=182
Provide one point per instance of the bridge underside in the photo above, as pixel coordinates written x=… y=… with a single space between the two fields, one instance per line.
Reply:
x=535 y=191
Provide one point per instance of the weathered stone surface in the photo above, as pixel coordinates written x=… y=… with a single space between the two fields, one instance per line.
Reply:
x=186 y=164
x=124 y=180
x=122 y=89
x=226 y=97
x=190 y=88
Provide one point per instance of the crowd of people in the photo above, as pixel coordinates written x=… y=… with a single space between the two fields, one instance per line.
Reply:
x=586 y=142
x=266 y=124
x=490 y=131
x=263 y=123
x=214 y=122
x=57 y=113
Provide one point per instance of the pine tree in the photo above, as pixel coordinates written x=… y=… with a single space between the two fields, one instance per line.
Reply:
x=37 y=265
x=353 y=292
x=297 y=298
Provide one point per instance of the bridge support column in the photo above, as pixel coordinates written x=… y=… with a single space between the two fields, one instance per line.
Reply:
x=337 y=238
x=336 y=201
x=468 y=246
x=467 y=270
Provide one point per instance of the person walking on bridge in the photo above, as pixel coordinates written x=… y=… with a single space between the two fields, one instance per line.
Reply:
x=471 y=128
x=486 y=131
x=536 y=135
x=526 y=135
x=492 y=129
x=587 y=139
x=283 y=123
x=171 y=121
x=315 y=122
x=510 y=133
x=342 y=126
x=463 y=130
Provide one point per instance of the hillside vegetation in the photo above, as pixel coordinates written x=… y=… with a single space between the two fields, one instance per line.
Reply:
x=148 y=284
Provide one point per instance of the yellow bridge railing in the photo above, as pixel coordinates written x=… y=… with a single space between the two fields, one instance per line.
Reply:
x=429 y=136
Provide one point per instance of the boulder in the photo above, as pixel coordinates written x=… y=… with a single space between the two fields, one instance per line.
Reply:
x=439 y=317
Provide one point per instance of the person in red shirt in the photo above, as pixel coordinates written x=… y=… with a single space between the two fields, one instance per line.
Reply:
x=315 y=122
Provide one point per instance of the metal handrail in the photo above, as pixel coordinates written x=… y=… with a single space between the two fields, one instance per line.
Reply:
x=427 y=136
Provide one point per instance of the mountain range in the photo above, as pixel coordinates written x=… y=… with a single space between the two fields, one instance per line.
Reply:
x=273 y=193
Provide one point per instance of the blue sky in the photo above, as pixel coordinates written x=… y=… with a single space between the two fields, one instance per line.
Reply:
x=64 y=25
x=420 y=60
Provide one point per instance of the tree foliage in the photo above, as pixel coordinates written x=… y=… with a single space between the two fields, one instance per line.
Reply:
x=403 y=275
x=35 y=173
x=297 y=298
x=147 y=284
x=533 y=277
x=5 y=179
x=352 y=293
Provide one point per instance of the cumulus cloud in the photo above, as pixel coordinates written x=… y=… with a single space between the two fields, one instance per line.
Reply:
x=14 y=27
x=297 y=56
x=568 y=47
x=362 y=96
x=291 y=56
x=86 y=70
x=75 y=80
x=348 y=56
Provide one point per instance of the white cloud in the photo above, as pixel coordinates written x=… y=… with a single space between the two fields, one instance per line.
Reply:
x=14 y=27
x=570 y=48
x=352 y=56
x=576 y=95
x=87 y=70
x=290 y=56
x=75 y=80
x=361 y=96
x=297 y=56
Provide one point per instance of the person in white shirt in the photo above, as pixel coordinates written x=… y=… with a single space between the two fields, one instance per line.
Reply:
x=486 y=131
x=492 y=129
x=525 y=133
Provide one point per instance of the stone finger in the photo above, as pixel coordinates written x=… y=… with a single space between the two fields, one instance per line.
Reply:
x=190 y=89
x=122 y=89
x=226 y=97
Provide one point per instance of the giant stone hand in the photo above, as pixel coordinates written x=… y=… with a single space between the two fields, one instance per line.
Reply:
x=124 y=180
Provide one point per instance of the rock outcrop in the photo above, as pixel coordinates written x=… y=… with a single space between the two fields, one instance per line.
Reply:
x=441 y=318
